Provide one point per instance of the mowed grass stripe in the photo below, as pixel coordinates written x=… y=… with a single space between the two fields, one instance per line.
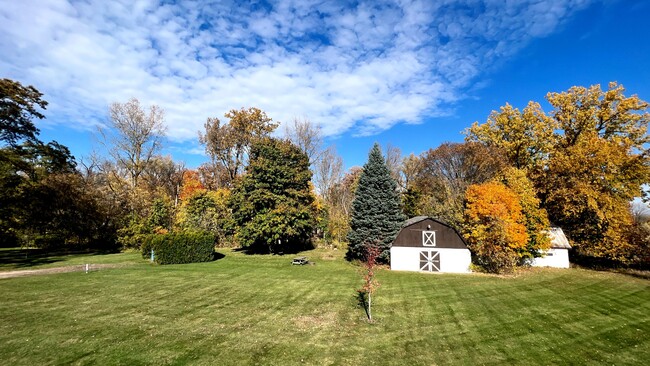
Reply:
x=261 y=310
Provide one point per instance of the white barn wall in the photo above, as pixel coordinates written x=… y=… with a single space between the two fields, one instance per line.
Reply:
x=558 y=259
x=451 y=260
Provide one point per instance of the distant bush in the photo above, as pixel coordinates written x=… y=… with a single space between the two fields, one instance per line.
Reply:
x=146 y=242
x=178 y=248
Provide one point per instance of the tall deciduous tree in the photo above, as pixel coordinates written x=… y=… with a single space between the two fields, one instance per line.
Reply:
x=273 y=203
x=18 y=107
x=393 y=157
x=525 y=137
x=582 y=112
x=328 y=173
x=308 y=136
x=445 y=174
x=166 y=175
x=134 y=136
x=376 y=214
x=587 y=190
x=228 y=144
x=588 y=170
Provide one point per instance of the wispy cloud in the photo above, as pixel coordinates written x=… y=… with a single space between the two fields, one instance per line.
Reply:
x=358 y=69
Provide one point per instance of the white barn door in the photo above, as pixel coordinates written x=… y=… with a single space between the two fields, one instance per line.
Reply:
x=430 y=261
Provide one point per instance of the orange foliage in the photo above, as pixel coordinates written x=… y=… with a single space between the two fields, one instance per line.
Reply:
x=191 y=184
x=494 y=226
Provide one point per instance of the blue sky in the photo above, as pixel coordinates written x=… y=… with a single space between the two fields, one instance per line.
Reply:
x=412 y=74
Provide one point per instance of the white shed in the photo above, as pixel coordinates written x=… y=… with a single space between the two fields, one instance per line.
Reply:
x=429 y=245
x=558 y=254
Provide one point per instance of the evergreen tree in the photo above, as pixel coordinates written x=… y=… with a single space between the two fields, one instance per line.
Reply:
x=376 y=214
x=273 y=206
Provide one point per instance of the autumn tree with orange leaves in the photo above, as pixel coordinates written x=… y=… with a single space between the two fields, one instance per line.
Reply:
x=191 y=184
x=588 y=158
x=494 y=226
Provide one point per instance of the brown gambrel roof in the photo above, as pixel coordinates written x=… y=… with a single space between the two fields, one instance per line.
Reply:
x=411 y=234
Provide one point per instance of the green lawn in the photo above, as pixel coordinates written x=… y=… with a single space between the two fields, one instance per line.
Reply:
x=261 y=310
x=13 y=259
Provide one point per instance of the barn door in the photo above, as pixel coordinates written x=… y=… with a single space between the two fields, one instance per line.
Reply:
x=430 y=261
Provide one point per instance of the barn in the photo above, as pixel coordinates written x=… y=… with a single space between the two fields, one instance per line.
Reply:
x=558 y=255
x=428 y=245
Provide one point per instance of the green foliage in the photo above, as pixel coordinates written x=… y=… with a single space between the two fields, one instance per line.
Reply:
x=132 y=235
x=18 y=106
x=64 y=213
x=179 y=248
x=146 y=244
x=44 y=201
x=160 y=215
x=272 y=205
x=376 y=214
x=208 y=211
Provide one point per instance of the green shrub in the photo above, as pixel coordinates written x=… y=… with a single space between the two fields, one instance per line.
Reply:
x=146 y=244
x=178 y=248
x=131 y=235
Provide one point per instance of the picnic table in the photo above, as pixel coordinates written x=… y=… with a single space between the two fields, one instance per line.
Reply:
x=300 y=261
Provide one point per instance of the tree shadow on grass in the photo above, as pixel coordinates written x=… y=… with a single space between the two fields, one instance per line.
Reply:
x=288 y=248
x=20 y=258
x=637 y=270
x=30 y=257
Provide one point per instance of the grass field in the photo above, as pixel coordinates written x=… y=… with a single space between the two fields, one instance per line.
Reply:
x=261 y=310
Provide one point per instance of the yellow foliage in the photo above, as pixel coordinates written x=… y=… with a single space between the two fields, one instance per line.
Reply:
x=588 y=159
x=588 y=187
x=525 y=137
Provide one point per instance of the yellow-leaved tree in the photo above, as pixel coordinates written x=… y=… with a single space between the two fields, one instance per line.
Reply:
x=526 y=137
x=588 y=158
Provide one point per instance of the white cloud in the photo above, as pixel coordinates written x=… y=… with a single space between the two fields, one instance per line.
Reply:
x=360 y=70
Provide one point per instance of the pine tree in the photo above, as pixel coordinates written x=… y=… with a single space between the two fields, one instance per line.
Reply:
x=376 y=215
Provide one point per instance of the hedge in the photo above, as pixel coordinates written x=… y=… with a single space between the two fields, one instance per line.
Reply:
x=179 y=248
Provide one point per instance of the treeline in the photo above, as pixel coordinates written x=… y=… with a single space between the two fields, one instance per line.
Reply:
x=577 y=166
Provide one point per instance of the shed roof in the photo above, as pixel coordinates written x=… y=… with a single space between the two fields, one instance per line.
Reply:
x=558 y=239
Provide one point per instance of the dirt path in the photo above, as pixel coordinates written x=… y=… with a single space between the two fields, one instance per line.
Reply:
x=76 y=268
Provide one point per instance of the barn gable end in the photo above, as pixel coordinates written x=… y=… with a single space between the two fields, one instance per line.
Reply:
x=428 y=245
